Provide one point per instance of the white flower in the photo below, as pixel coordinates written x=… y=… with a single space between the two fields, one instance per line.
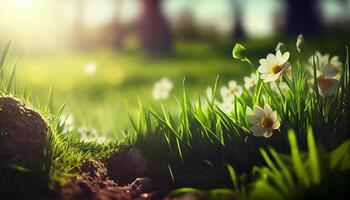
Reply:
x=273 y=66
x=228 y=93
x=67 y=120
x=264 y=121
x=90 y=68
x=335 y=62
x=283 y=86
x=319 y=58
x=250 y=81
x=327 y=85
x=209 y=93
x=90 y=135
x=332 y=65
x=226 y=106
x=162 y=88
x=327 y=72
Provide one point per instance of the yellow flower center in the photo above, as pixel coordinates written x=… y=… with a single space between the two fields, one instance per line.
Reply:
x=232 y=91
x=323 y=81
x=266 y=122
x=275 y=68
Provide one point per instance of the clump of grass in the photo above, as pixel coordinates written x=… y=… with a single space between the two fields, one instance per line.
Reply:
x=196 y=145
x=299 y=175
x=208 y=147
x=63 y=153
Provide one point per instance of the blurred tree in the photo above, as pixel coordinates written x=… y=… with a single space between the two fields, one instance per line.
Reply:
x=117 y=27
x=154 y=33
x=186 y=27
x=303 y=16
x=78 y=29
x=238 y=30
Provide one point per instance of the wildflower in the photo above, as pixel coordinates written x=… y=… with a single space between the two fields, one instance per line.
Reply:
x=226 y=106
x=84 y=130
x=209 y=93
x=67 y=120
x=300 y=43
x=90 y=68
x=264 y=121
x=162 y=88
x=250 y=81
x=327 y=81
x=228 y=93
x=273 y=66
x=319 y=58
x=327 y=73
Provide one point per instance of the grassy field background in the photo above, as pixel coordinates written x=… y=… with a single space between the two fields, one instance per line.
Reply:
x=103 y=100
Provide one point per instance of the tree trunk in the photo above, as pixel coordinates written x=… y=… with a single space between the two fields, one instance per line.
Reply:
x=303 y=17
x=154 y=33
x=238 y=30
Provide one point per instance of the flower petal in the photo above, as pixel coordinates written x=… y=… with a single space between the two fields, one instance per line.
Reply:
x=268 y=133
x=257 y=131
x=267 y=109
x=278 y=56
x=271 y=58
x=232 y=84
x=285 y=57
x=329 y=70
x=259 y=112
x=276 y=125
x=273 y=116
x=330 y=88
x=265 y=68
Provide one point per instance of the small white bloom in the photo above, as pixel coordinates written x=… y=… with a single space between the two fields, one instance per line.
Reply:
x=162 y=88
x=90 y=68
x=273 y=66
x=250 y=81
x=67 y=120
x=102 y=140
x=319 y=58
x=209 y=93
x=226 y=106
x=335 y=62
x=327 y=72
x=89 y=135
x=327 y=85
x=228 y=93
x=264 y=121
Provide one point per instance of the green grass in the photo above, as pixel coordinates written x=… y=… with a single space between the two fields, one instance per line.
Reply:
x=195 y=143
x=121 y=77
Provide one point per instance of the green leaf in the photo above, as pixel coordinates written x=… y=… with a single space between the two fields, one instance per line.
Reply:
x=314 y=164
x=233 y=176
x=239 y=52
x=296 y=158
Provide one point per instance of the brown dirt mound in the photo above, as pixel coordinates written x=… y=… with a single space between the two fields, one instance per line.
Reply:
x=128 y=164
x=22 y=131
x=94 y=183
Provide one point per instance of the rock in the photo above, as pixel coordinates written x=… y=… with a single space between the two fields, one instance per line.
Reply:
x=128 y=164
x=22 y=131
